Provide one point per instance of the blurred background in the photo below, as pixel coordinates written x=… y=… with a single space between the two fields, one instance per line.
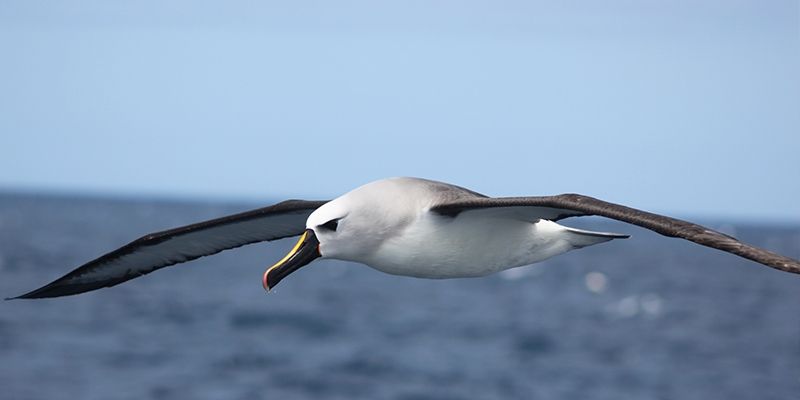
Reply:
x=121 y=118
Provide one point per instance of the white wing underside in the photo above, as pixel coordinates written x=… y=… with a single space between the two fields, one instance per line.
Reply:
x=194 y=245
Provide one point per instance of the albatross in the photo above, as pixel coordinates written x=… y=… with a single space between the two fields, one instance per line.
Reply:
x=401 y=226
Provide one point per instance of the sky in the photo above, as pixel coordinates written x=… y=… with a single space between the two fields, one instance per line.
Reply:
x=684 y=107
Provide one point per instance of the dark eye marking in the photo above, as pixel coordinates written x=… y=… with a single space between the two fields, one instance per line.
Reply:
x=331 y=225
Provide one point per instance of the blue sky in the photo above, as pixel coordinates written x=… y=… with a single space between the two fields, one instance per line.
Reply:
x=685 y=107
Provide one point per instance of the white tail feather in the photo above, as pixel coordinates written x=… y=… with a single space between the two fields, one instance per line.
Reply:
x=583 y=238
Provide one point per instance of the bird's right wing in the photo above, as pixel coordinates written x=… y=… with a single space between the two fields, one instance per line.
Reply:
x=576 y=205
x=173 y=246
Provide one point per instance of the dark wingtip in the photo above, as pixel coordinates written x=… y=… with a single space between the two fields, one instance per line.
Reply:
x=29 y=295
x=54 y=289
x=22 y=296
x=35 y=294
x=63 y=287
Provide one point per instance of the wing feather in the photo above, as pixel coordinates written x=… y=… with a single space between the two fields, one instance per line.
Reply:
x=162 y=249
x=572 y=205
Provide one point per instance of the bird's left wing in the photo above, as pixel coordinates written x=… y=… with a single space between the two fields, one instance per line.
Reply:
x=574 y=205
x=173 y=246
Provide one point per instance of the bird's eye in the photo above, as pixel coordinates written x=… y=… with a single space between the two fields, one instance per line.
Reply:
x=331 y=225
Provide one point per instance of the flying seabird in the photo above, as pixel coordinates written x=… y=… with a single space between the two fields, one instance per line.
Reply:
x=401 y=226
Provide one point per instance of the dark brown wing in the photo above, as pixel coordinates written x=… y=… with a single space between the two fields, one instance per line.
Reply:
x=571 y=205
x=186 y=243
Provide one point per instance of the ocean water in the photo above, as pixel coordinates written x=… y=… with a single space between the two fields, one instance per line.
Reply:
x=644 y=318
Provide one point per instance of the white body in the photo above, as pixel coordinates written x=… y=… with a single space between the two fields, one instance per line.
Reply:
x=388 y=226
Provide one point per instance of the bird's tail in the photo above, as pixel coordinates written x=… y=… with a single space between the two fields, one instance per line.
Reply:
x=582 y=238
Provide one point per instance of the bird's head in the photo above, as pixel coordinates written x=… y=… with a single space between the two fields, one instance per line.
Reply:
x=351 y=227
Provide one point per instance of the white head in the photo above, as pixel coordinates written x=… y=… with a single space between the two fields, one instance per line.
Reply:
x=353 y=226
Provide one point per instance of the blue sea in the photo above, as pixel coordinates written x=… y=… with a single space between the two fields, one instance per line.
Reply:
x=644 y=318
